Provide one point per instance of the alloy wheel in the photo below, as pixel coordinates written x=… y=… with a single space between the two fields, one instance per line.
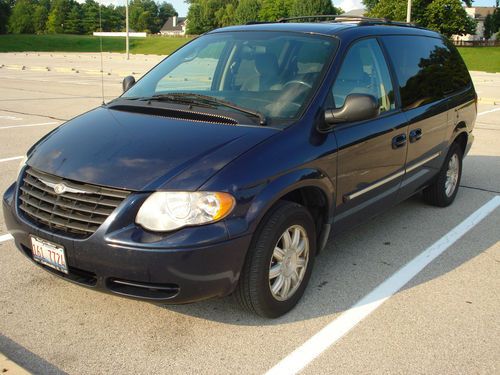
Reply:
x=289 y=262
x=452 y=175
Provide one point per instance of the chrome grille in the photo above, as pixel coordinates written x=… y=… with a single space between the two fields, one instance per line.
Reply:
x=74 y=214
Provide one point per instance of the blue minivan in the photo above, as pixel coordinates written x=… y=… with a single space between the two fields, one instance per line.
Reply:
x=226 y=168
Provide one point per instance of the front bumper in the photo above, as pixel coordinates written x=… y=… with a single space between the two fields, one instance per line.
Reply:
x=187 y=266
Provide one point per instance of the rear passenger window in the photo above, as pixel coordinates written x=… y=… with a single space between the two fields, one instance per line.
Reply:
x=427 y=69
x=364 y=71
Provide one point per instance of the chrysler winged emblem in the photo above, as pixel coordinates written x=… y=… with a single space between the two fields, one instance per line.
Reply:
x=61 y=188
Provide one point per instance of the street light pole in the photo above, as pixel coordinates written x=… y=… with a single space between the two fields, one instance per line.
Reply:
x=408 y=12
x=126 y=26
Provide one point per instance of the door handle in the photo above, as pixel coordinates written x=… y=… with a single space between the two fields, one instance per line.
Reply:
x=399 y=141
x=415 y=135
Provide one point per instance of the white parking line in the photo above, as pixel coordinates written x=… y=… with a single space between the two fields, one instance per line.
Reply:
x=339 y=327
x=28 y=125
x=6 y=237
x=12 y=158
x=13 y=118
x=491 y=110
x=76 y=82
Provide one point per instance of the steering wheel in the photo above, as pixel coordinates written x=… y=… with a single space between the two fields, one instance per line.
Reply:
x=297 y=82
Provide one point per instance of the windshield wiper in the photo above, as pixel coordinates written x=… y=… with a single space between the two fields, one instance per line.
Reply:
x=191 y=98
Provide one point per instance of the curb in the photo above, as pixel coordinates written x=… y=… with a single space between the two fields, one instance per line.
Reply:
x=8 y=367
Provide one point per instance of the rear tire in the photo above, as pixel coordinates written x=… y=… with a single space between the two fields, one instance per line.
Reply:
x=279 y=261
x=443 y=191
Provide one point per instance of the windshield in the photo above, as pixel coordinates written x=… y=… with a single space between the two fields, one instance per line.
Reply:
x=267 y=72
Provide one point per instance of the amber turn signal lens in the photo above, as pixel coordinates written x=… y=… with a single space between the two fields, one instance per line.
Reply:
x=226 y=204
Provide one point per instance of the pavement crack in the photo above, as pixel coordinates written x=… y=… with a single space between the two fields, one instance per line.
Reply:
x=33 y=114
x=483 y=128
x=481 y=189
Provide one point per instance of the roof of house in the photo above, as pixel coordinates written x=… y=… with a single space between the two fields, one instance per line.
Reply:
x=482 y=12
x=169 y=25
x=355 y=12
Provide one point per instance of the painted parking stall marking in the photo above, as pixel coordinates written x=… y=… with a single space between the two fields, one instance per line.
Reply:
x=11 y=158
x=490 y=111
x=28 y=125
x=6 y=237
x=12 y=118
x=335 y=330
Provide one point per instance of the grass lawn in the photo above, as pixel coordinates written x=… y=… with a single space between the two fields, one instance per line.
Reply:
x=486 y=59
x=88 y=43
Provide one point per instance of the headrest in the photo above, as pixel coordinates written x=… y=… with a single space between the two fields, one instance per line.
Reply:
x=267 y=64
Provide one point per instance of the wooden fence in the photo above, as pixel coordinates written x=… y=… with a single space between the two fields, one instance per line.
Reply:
x=477 y=43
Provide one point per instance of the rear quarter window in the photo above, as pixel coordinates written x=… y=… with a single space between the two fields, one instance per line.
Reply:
x=427 y=69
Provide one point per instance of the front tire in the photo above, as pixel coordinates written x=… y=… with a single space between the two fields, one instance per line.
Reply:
x=279 y=261
x=443 y=191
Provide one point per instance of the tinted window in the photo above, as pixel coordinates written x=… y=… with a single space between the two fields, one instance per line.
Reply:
x=195 y=72
x=364 y=71
x=427 y=69
x=273 y=73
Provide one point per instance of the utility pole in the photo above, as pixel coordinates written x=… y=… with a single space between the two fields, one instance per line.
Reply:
x=126 y=27
x=408 y=12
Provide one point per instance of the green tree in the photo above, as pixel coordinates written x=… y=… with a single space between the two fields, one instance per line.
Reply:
x=226 y=16
x=370 y=4
x=247 y=11
x=195 y=16
x=144 y=16
x=4 y=15
x=90 y=16
x=57 y=16
x=496 y=20
x=73 y=23
x=489 y=26
x=113 y=18
x=20 y=21
x=40 y=17
x=390 y=9
x=445 y=16
x=206 y=15
x=312 y=8
x=165 y=11
x=272 y=10
x=449 y=18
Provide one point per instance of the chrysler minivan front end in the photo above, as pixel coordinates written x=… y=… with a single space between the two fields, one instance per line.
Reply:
x=113 y=199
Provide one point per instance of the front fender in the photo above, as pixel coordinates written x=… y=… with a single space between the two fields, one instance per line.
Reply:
x=266 y=194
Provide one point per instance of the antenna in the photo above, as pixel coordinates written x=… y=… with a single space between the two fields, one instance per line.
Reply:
x=102 y=64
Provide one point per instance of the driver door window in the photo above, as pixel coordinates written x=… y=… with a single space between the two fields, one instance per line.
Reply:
x=364 y=71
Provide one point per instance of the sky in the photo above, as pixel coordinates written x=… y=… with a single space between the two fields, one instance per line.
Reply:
x=347 y=5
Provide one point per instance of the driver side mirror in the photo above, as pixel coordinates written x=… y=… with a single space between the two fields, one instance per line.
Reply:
x=128 y=82
x=357 y=107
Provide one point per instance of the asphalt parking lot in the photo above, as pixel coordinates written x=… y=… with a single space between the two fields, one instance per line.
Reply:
x=444 y=320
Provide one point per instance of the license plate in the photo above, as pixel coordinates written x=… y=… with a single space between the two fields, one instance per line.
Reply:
x=49 y=253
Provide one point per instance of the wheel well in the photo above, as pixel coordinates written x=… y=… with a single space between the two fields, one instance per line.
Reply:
x=315 y=201
x=461 y=140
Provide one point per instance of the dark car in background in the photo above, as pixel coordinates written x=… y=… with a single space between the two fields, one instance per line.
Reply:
x=226 y=168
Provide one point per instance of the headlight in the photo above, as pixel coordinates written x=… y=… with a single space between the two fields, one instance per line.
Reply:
x=166 y=211
x=22 y=163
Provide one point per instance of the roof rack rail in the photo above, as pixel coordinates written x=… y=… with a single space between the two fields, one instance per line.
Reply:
x=258 y=22
x=346 y=18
